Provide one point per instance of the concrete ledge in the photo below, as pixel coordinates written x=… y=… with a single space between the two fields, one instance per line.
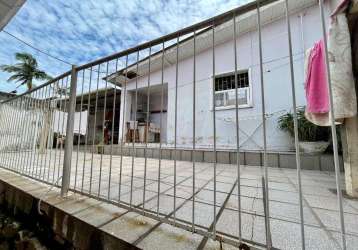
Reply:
x=323 y=162
x=61 y=214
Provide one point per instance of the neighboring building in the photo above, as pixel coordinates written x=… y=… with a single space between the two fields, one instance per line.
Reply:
x=306 y=30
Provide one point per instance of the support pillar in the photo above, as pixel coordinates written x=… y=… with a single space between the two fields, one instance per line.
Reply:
x=69 y=134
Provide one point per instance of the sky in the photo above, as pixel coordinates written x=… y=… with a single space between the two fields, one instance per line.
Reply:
x=81 y=31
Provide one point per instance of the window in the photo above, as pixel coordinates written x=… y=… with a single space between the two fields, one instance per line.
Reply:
x=225 y=90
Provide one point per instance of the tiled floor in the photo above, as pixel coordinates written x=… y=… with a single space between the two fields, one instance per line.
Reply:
x=100 y=175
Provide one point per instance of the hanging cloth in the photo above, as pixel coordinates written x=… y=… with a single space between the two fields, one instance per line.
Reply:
x=342 y=80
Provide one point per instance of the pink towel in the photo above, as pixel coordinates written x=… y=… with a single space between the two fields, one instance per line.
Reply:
x=316 y=81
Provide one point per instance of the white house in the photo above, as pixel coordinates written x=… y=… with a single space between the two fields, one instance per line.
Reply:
x=306 y=30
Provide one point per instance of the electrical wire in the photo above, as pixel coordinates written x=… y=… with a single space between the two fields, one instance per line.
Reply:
x=37 y=49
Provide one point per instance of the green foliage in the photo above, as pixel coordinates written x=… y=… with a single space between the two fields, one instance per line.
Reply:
x=25 y=70
x=307 y=131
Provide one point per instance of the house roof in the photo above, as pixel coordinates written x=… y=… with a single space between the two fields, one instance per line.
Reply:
x=224 y=32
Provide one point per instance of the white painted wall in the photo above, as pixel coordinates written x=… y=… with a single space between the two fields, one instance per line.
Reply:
x=276 y=81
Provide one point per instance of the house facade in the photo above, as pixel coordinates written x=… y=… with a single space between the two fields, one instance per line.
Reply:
x=171 y=97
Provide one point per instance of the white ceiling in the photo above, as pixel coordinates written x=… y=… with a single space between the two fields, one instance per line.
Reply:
x=8 y=9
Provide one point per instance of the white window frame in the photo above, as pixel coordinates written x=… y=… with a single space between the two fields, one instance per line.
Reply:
x=242 y=106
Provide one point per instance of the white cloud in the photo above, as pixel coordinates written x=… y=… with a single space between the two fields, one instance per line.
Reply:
x=82 y=31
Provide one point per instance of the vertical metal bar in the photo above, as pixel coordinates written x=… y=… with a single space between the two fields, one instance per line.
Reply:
x=16 y=115
x=214 y=129
x=23 y=137
x=50 y=138
x=103 y=125
x=175 y=126
x=94 y=129
x=11 y=159
x=147 y=130
x=112 y=136
x=161 y=126
x=10 y=136
x=122 y=134
x=266 y=203
x=29 y=137
x=18 y=154
x=63 y=129
x=10 y=117
x=79 y=129
x=194 y=128
x=57 y=90
x=237 y=130
x=87 y=129
x=43 y=111
x=135 y=128
x=39 y=132
x=295 y=124
x=333 y=127
x=3 y=133
x=18 y=135
x=69 y=134
x=3 y=125
x=33 y=155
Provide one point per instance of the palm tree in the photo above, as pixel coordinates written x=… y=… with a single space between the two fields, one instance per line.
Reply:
x=25 y=70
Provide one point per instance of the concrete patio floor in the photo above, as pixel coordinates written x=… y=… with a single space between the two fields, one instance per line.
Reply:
x=99 y=175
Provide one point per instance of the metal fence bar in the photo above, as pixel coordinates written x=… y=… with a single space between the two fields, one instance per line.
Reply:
x=23 y=140
x=62 y=129
x=49 y=129
x=52 y=110
x=14 y=149
x=194 y=128
x=333 y=127
x=79 y=128
x=51 y=134
x=87 y=131
x=66 y=172
x=266 y=202
x=295 y=124
x=175 y=126
x=103 y=126
x=9 y=141
x=214 y=128
x=122 y=134
x=3 y=125
x=7 y=134
x=147 y=130
x=134 y=129
x=161 y=126
x=11 y=107
x=34 y=145
x=10 y=132
x=19 y=144
x=94 y=129
x=238 y=159
x=42 y=109
x=27 y=156
x=40 y=153
x=17 y=133
x=57 y=90
x=112 y=138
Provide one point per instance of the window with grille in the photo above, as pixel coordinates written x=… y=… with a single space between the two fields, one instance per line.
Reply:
x=225 y=90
